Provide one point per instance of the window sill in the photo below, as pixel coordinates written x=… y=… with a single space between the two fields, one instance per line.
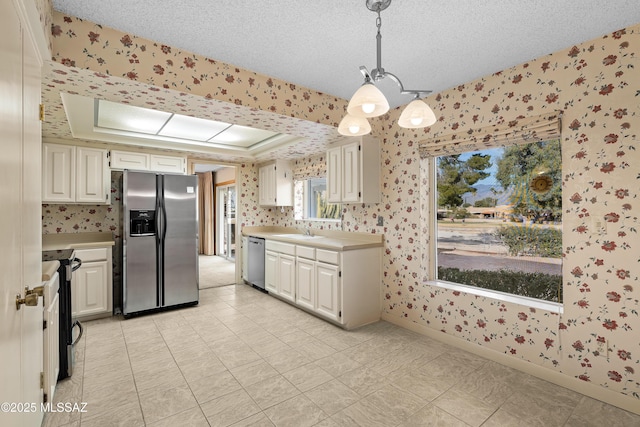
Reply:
x=552 y=307
x=337 y=221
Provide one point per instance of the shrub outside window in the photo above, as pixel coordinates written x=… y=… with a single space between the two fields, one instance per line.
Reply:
x=499 y=219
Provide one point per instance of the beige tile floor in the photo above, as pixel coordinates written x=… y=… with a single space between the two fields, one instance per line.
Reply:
x=215 y=271
x=243 y=358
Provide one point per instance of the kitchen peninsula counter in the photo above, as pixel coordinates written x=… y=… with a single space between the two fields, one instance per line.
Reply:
x=323 y=239
x=49 y=268
x=92 y=284
x=76 y=241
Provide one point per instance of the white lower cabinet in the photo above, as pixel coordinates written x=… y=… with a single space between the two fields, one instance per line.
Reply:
x=245 y=259
x=91 y=296
x=317 y=283
x=287 y=276
x=328 y=290
x=279 y=270
x=270 y=271
x=334 y=285
x=305 y=283
x=91 y=289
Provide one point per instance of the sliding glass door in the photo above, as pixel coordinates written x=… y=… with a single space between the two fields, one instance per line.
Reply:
x=226 y=227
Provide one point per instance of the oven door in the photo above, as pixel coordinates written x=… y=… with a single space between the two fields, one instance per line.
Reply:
x=76 y=263
x=67 y=323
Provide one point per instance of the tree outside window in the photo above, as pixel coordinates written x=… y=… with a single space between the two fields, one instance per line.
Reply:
x=499 y=219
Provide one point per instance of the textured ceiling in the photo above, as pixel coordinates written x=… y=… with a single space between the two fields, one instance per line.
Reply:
x=320 y=44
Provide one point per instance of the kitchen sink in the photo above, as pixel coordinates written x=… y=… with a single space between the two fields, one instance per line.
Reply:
x=299 y=236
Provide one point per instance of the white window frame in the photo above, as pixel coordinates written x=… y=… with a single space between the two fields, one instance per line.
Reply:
x=305 y=203
x=432 y=268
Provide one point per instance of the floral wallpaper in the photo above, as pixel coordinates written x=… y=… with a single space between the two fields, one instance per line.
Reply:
x=90 y=219
x=45 y=10
x=59 y=78
x=125 y=55
x=96 y=61
x=595 y=86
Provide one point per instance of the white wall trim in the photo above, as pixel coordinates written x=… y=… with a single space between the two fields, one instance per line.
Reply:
x=550 y=306
x=30 y=18
x=594 y=391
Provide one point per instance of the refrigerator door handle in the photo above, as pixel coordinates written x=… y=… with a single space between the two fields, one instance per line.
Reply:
x=160 y=241
x=164 y=221
x=159 y=220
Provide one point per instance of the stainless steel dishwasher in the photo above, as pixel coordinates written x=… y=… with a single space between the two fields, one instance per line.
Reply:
x=256 y=262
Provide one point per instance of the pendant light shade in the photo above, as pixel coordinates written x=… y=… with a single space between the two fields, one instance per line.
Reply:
x=368 y=101
x=354 y=126
x=416 y=115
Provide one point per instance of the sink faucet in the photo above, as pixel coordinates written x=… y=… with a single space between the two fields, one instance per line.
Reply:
x=307 y=231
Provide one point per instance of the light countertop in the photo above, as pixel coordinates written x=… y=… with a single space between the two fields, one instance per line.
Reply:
x=49 y=268
x=76 y=241
x=325 y=239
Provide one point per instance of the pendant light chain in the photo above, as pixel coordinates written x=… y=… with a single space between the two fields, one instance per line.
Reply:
x=378 y=73
x=368 y=101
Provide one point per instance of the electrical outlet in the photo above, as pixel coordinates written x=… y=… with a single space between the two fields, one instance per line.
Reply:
x=600 y=227
x=601 y=347
x=380 y=221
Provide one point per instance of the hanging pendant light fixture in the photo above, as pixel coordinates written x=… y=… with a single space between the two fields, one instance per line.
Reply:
x=368 y=101
x=354 y=126
x=416 y=115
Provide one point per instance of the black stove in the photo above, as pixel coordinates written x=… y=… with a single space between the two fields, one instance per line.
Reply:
x=68 y=264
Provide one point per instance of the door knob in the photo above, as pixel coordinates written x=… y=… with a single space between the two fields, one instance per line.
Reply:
x=38 y=290
x=30 y=299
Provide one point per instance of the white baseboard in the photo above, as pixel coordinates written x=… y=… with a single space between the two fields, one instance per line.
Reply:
x=588 y=389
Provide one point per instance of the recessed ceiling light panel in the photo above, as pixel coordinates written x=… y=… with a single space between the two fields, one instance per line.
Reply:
x=112 y=115
x=194 y=128
x=242 y=136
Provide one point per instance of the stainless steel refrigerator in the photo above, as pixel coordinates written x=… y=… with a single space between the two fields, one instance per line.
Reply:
x=160 y=241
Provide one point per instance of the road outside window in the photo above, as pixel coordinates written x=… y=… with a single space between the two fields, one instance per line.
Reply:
x=499 y=220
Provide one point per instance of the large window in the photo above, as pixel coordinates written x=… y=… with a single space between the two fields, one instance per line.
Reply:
x=499 y=220
x=311 y=201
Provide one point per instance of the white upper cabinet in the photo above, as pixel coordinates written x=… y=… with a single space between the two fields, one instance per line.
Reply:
x=58 y=173
x=353 y=171
x=75 y=175
x=334 y=174
x=169 y=164
x=351 y=174
x=93 y=177
x=275 y=184
x=121 y=160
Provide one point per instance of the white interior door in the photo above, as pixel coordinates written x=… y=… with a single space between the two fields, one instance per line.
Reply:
x=32 y=330
x=21 y=334
x=11 y=282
